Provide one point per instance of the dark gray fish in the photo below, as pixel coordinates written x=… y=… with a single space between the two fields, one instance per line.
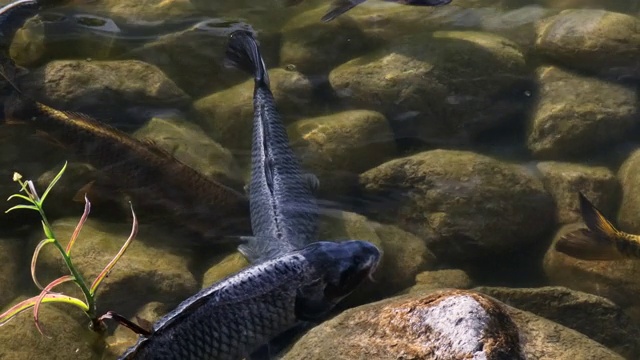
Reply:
x=283 y=208
x=12 y=17
x=339 y=7
x=233 y=318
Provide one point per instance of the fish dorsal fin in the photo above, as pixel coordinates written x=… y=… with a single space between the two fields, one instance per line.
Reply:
x=268 y=173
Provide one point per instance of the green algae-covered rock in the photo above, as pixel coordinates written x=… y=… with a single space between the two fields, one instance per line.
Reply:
x=565 y=180
x=338 y=147
x=437 y=87
x=463 y=204
x=577 y=116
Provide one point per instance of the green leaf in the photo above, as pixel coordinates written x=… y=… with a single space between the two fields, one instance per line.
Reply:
x=30 y=207
x=53 y=182
x=48 y=298
x=20 y=196
x=35 y=258
x=112 y=263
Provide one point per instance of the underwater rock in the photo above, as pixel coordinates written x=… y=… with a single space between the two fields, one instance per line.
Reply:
x=224 y=266
x=564 y=180
x=609 y=40
x=463 y=204
x=388 y=21
x=404 y=254
x=194 y=57
x=97 y=87
x=441 y=279
x=417 y=82
x=614 y=280
x=452 y=324
x=447 y=325
x=123 y=337
x=228 y=115
x=77 y=176
x=594 y=316
x=145 y=11
x=629 y=177
x=144 y=273
x=314 y=47
x=567 y=123
x=338 y=147
x=10 y=276
x=187 y=142
x=67 y=330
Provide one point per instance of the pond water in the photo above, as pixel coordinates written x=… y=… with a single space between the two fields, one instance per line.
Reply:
x=456 y=138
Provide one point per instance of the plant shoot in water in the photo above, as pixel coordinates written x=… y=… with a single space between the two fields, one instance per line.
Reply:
x=29 y=194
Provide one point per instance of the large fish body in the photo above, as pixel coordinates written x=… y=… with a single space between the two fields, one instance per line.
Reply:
x=151 y=177
x=233 y=318
x=600 y=240
x=283 y=208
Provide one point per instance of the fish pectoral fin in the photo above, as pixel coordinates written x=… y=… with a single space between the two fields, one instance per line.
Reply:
x=49 y=139
x=250 y=249
x=339 y=7
x=312 y=181
x=312 y=308
x=145 y=324
x=594 y=219
x=584 y=244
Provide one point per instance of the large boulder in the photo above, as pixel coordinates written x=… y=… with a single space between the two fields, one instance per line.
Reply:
x=598 y=318
x=567 y=123
x=104 y=89
x=464 y=205
x=609 y=40
x=565 y=180
x=453 y=324
x=442 y=87
x=629 y=177
x=338 y=147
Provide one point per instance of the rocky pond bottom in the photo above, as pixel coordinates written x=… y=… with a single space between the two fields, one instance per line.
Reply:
x=455 y=138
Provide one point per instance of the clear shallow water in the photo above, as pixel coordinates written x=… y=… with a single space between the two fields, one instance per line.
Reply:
x=470 y=126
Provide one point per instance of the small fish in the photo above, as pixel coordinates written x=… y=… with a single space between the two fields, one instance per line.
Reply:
x=283 y=208
x=339 y=7
x=150 y=176
x=235 y=317
x=601 y=240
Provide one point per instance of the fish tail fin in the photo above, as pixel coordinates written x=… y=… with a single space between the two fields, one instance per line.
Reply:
x=243 y=52
x=598 y=242
x=594 y=219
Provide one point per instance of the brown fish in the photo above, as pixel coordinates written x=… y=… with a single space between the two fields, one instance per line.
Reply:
x=601 y=240
x=151 y=177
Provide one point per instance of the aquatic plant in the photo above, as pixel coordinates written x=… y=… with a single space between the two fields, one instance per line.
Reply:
x=35 y=202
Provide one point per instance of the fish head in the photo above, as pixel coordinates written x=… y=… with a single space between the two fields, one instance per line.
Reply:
x=338 y=268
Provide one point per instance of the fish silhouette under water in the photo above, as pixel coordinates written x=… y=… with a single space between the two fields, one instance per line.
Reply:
x=601 y=240
x=283 y=208
x=151 y=177
x=235 y=317
x=339 y=7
